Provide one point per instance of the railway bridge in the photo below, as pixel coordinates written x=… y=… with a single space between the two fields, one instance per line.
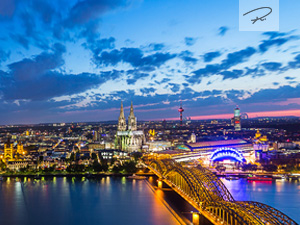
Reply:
x=210 y=197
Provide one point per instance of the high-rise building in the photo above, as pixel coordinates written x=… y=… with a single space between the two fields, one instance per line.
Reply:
x=237 y=119
x=95 y=135
x=122 y=121
x=132 y=120
x=8 y=150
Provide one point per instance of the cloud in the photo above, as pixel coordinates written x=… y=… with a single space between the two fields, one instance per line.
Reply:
x=189 y=41
x=4 y=56
x=135 y=75
x=186 y=56
x=237 y=57
x=147 y=90
x=290 y=78
x=88 y=10
x=231 y=60
x=274 y=34
x=7 y=8
x=210 y=56
x=37 y=79
x=50 y=85
x=156 y=46
x=234 y=74
x=272 y=66
x=275 y=39
x=134 y=56
x=20 y=39
x=222 y=31
x=31 y=68
x=97 y=46
x=274 y=95
x=296 y=63
x=174 y=87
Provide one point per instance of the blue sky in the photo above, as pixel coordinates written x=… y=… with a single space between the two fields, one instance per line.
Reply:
x=70 y=60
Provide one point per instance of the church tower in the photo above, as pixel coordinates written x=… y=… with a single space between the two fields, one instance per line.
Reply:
x=8 y=150
x=122 y=120
x=20 y=148
x=131 y=120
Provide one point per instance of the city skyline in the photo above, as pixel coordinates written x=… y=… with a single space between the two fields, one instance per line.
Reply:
x=69 y=61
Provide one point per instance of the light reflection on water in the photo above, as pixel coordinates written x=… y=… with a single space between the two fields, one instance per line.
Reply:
x=75 y=201
x=280 y=194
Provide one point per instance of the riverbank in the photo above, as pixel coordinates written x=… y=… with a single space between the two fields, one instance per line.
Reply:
x=75 y=175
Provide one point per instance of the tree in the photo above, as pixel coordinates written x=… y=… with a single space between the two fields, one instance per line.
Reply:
x=130 y=167
x=97 y=167
x=2 y=165
x=270 y=168
x=94 y=156
x=137 y=155
x=249 y=167
x=72 y=156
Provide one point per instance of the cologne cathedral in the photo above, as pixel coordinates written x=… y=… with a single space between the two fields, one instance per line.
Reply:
x=128 y=138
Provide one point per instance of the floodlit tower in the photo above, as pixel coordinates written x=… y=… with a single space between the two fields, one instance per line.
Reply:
x=8 y=150
x=122 y=120
x=20 y=148
x=180 y=110
x=132 y=120
x=237 y=119
x=193 y=138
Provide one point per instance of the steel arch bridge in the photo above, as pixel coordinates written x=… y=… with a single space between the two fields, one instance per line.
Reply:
x=204 y=191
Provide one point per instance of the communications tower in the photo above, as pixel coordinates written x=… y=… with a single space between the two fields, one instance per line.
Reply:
x=180 y=110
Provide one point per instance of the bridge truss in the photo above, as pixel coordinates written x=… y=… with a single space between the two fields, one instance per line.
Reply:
x=203 y=190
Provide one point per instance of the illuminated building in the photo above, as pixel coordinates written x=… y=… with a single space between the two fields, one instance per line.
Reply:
x=20 y=148
x=260 y=144
x=236 y=120
x=95 y=135
x=122 y=121
x=129 y=139
x=131 y=120
x=180 y=110
x=8 y=150
x=193 y=138
x=233 y=152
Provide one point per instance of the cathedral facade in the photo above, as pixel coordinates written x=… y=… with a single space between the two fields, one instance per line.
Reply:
x=128 y=138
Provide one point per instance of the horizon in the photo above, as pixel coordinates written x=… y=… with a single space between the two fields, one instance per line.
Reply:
x=258 y=115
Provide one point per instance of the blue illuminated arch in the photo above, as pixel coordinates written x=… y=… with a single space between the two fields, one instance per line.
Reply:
x=227 y=153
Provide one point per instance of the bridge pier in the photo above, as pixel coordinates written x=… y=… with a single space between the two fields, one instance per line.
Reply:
x=196 y=218
x=159 y=183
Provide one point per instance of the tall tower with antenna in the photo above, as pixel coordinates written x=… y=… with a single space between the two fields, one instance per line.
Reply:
x=180 y=110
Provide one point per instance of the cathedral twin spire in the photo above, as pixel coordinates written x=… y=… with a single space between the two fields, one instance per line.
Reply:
x=131 y=120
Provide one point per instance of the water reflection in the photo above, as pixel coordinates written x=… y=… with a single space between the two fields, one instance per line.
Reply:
x=75 y=201
x=280 y=194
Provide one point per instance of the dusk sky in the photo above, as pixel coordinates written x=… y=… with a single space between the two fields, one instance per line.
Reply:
x=72 y=61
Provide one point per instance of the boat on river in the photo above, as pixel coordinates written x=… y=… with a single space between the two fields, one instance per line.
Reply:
x=232 y=178
x=136 y=177
x=259 y=177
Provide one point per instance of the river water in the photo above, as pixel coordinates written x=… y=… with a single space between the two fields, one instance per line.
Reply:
x=116 y=201
x=280 y=194
x=76 y=201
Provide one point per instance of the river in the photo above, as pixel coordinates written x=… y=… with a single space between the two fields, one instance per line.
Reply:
x=280 y=194
x=77 y=201
x=118 y=200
